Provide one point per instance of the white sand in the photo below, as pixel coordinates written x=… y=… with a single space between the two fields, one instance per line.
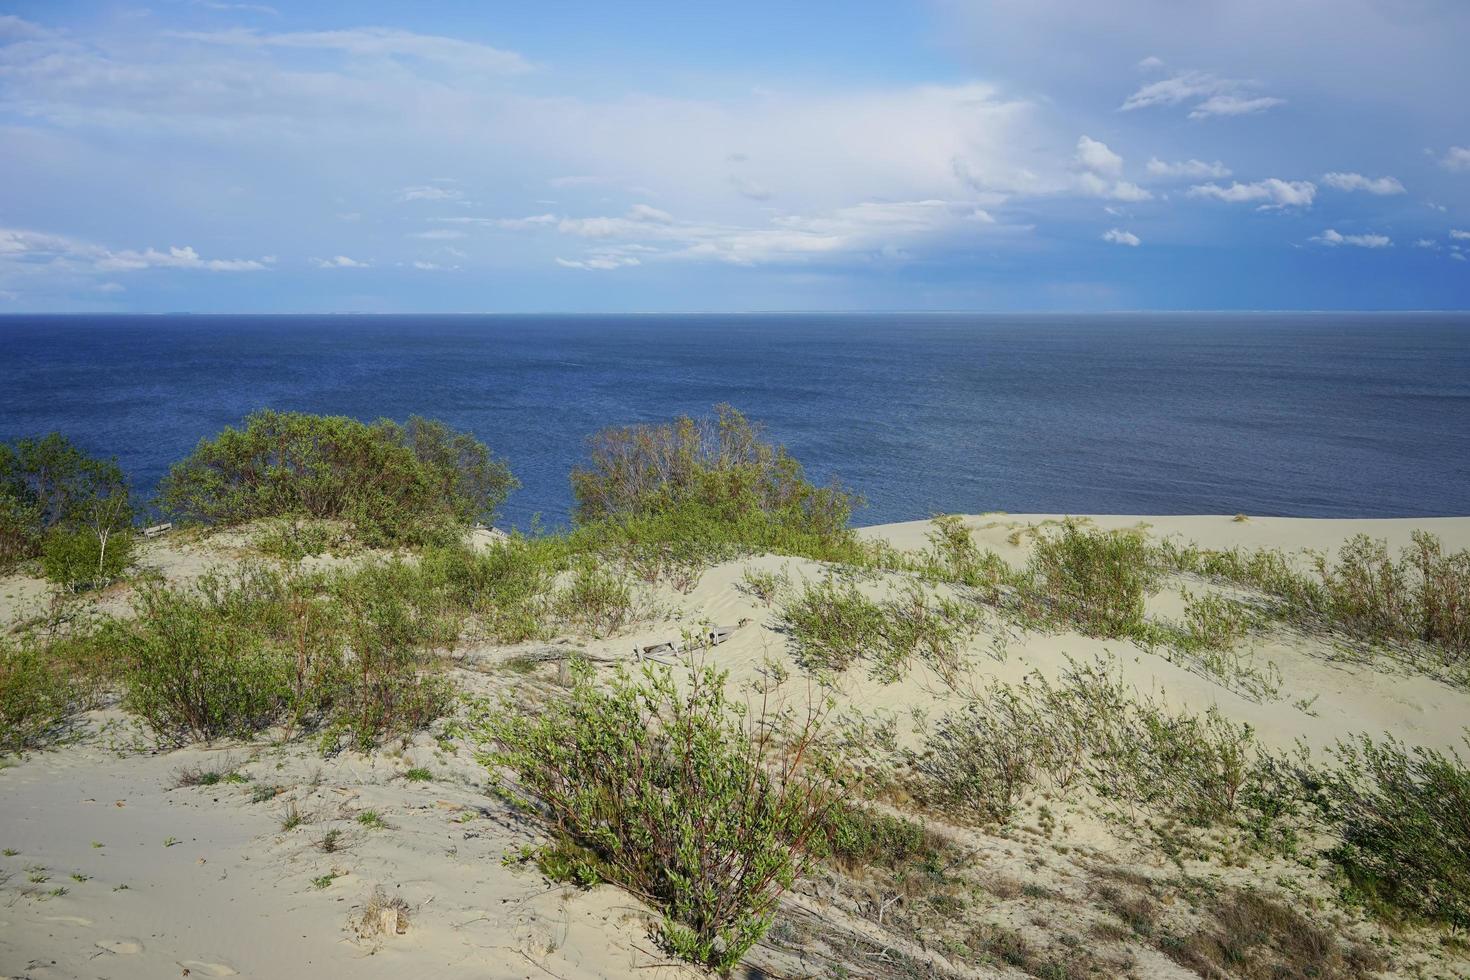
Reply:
x=234 y=893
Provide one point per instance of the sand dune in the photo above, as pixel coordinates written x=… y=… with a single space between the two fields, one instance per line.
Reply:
x=113 y=870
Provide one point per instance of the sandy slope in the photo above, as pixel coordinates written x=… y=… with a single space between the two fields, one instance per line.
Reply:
x=206 y=881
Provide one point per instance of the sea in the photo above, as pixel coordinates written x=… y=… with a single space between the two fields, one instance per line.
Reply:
x=1298 y=414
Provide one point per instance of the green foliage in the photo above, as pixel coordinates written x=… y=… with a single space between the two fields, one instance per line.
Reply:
x=833 y=624
x=1087 y=726
x=233 y=655
x=1420 y=601
x=51 y=494
x=78 y=558
x=596 y=600
x=705 y=487
x=668 y=786
x=1404 y=819
x=35 y=696
x=506 y=588
x=1095 y=580
x=391 y=483
x=193 y=671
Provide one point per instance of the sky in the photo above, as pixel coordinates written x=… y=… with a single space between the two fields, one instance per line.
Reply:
x=996 y=155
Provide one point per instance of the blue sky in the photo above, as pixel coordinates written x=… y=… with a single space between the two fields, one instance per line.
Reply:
x=218 y=156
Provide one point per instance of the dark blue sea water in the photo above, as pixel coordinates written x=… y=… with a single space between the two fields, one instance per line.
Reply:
x=1297 y=414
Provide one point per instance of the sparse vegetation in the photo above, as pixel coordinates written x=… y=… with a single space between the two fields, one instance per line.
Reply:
x=390 y=483
x=711 y=487
x=70 y=509
x=669 y=786
x=1094 y=580
x=1404 y=819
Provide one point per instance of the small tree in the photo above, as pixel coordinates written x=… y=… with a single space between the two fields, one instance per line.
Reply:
x=54 y=498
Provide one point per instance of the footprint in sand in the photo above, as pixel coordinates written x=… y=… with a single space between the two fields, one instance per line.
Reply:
x=123 y=947
x=200 y=968
x=71 y=920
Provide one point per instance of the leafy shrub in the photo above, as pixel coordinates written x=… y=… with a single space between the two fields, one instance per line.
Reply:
x=596 y=600
x=713 y=481
x=50 y=487
x=953 y=556
x=1421 y=598
x=35 y=696
x=1090 y=725
x=232 y=655
x=507 y=587
x=667 y=785
x=192 y=671
x=832 y=624
x=1404 y=818
x=1095 y=580
x=78 y=558
x=391 y=483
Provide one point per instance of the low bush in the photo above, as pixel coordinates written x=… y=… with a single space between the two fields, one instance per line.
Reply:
x=980 y=759
x=1404 y=819
x=77 y=558
x=506 y=588
x=35 y=696
x=53 y=499
x=1421 y=599
x=670 y=787
x=832 y=624
x=596 y=600
x=348 y=654
x=391 y=484
x=712 y=484
x=192 y=671
x=1095 y=580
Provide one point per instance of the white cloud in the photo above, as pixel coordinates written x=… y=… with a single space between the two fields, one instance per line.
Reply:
x=21 y=245
x=1151 y=63
x=1333 y=237
x=429 y=192
x=1119 y=237
x=248 y=8
x=439 y=234
x=1095 y=156
x=643 y=212
x=1357 y=182
x=1457 y=233
x=1216 y=96
x=1233 y=105
x=601 y=262
x=1456 y=158
x=746 y=187
x=111 y=287
x=13 y=28
x=1098 y=171
x=1426 y=243
x=1197 y=169
x=376 y=42
x=339 y=262
x=877 y=229
x=1276 y=193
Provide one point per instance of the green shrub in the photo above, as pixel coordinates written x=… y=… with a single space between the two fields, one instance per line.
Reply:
x=715 y=484
x=1095 y=580
x=953 y=556
x=667 y=785
x=1404 y=819
x=35 y=696
x=596 y=600
x=78 y=558
x=49 y=487
x=391 y=483
x=981 y=758
x=507 y=588
x=192 y=671
x=832 y=624
x=1423 y=597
